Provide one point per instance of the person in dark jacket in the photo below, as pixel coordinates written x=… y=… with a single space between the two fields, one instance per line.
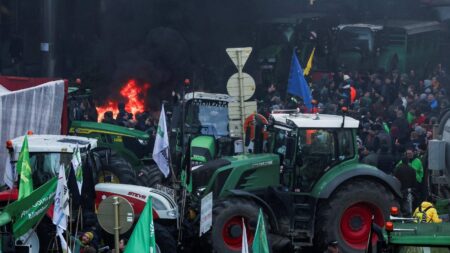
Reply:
x=108 y=117
x=406 y=175
x=386 y=161
x=402 y=125
x=122 y=116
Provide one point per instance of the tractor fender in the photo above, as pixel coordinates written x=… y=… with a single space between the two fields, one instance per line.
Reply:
x=324 y=189
x=272 y=218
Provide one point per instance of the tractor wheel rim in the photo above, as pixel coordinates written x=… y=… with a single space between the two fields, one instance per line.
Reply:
x=112 y=178
x=232 y=241
x=356 y=221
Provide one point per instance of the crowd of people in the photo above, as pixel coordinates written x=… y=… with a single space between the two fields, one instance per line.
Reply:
x=396 y=113
x=85 y=110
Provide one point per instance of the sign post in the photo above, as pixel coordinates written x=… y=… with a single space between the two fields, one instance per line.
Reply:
x=241 y=86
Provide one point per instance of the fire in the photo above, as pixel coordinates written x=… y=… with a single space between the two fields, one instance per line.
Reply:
x=135 y=96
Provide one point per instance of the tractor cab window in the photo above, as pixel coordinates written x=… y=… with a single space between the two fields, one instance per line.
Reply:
x=279 y=140
x=346 y=149
x=316 y=152
x=351 y=38
x=45 y=166
x=210 y=117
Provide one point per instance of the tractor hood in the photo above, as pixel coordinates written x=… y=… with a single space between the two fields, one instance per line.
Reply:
x=244 y=172
x=86 y=127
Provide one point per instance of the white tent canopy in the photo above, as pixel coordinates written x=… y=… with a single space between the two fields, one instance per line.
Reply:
x=38 y=109
x=3 y=90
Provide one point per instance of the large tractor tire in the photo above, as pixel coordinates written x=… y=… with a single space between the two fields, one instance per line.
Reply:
x=150 y=176
x=165 y=242
x=118 y=171
x=226 y=234
x=347 y=215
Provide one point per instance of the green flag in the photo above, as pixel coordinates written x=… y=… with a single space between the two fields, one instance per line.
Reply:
x=25 y=213
x=143 y=237
x=24 y=170
x=260 y=243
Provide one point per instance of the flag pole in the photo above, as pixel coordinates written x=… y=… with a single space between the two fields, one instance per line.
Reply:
x=70 y=219
x=116 y=222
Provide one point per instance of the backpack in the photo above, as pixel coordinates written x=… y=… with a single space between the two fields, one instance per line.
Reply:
x=422 y=214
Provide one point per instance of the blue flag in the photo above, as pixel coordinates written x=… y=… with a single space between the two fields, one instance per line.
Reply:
x=297 y=84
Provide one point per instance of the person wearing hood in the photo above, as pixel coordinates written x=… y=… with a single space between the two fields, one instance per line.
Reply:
x=426 y=212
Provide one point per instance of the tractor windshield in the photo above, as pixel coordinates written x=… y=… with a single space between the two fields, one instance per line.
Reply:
x=360 y=38
x=211 y=117
x=45 y=166
x=318 y=150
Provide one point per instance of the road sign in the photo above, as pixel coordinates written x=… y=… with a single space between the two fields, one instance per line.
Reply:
x=240 y=85
x=239 y=56
x=106 y=214
x=248 y=86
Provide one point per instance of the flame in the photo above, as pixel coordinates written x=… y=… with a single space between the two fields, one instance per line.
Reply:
x=135 y=96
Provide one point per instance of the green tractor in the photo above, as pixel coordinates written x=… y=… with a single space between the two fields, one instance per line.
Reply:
x=312 y=189
x=205 y=117
x=200 y=123
x=407 y=235
x=127 y=153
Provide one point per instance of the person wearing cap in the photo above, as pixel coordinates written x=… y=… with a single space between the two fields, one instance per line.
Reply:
x=332 y=247
x=86 y=243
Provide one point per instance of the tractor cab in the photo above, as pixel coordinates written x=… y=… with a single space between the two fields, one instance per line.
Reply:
x=310 y=145
x=49 y=152
x=205 y=126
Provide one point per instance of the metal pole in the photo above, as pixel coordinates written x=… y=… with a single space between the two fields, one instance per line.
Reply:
x=241 y=95
x=48 y=36
x=116 y=223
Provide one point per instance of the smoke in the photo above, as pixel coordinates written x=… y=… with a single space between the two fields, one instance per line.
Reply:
x=162 y=42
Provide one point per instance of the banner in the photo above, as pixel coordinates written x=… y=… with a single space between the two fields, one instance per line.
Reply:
x=143 y=237
x=76 y=163
x=25 y=213
x=24 y=170
x=61 y=208
x=161 y=147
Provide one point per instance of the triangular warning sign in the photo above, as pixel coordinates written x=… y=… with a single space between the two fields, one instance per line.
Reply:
x=244 y=53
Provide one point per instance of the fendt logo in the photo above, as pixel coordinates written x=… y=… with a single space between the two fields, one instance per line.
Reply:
x=136 y=195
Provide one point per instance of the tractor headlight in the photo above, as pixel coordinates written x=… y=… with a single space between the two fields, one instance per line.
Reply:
x=200 y=191
x=143 y=142
x=172 y=213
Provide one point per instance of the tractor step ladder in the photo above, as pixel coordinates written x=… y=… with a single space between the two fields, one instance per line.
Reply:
x=302 y=220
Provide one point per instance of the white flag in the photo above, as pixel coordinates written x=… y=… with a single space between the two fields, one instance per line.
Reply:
x=244 y=238
x=65 y=248
x=10 y=175
x=78 y=170
x=61 y=209
x=161 y=148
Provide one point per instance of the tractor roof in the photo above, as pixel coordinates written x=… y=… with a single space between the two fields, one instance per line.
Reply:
x=209 y=96
x=301 y=120
x=53 y=143
x=372 y=27
x=87 y=127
